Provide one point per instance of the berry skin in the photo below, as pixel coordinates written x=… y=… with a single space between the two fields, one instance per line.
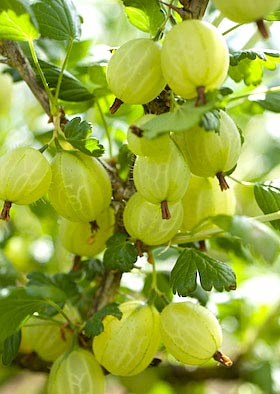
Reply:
x=209 y=153
x=159 y=180
x=194 y=55
x=87 y=239
x=47 y=339
x=127 y=346
x=190 y=332
x=143 y=220
x=76 y=372
x=25 y=176
x=202 y=199
x=156 y=147
x=80 y=188
x=246 y=11
x=134 y=72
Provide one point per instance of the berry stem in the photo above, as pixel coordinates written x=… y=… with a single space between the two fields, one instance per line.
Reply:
x=201 y=100
x=222 y=358
x=115 y=106
x=262 y=28
x=165 y=213
x=5 y=213
x=222 y=181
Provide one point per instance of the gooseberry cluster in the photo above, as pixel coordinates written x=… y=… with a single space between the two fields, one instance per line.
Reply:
x=188 y=331
x=78 y=187
x=139 y=69
x=154 y=213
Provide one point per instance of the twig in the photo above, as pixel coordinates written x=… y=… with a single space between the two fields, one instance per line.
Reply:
x=16 y=59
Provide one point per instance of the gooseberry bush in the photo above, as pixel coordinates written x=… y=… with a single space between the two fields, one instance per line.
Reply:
x=140 y=187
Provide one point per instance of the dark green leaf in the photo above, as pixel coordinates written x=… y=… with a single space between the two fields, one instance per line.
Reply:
x=183 y=118
x=17 y=21
x=271 y=102
x=267 y=196
x=11 y=347
x=57 y=19
x=120 y=254
x=261 y=238
x=94 y=325
x=64 y=283
x=248 y=65
x=77 y=133
x=71 y=88
x=212 y=273
x=15 y=308
x=146 y=15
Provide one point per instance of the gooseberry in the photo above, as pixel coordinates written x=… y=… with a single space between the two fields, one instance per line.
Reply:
x=127 y=346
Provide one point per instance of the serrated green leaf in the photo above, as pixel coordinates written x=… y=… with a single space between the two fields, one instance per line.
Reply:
x=57 y=19
x=17 y=21
x=71 y=88
x=183 y=118
x=120 y=254
x=271 y=102
x=212 y=273
x=146 y=15
x=15 y=308
x=94 y=325
x=77 y=133
x=267 y=195
x=254 y=234
x=248 y=65
x=11 y=347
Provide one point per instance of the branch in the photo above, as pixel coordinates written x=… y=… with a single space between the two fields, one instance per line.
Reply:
x=16 y=59
x=196 y=8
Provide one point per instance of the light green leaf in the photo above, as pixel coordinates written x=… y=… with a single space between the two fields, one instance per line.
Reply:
x=183 y=118
x=263 y=241
x=146 y=15
x=57 y=19
x=248 y=65
x=212 y=273
x=267 y=195
x=16 y=21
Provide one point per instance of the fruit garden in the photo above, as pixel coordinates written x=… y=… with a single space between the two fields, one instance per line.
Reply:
x=140 y=193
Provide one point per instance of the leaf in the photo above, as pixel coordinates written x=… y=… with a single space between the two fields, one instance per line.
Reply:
x=183 y=118
x=212 y=273
x=248 y=65
x=267 y=195
x=10 y=348
x=146 y=15
x=15 y=308
x=94 y=325
x=273 y=16
x=211 y=121
x=17 y=21
x=71 y=88
x=77 y=133
x=61 y=284
x=261 y=238
x=57 y=19
x=271 y=102
x=120 y=254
